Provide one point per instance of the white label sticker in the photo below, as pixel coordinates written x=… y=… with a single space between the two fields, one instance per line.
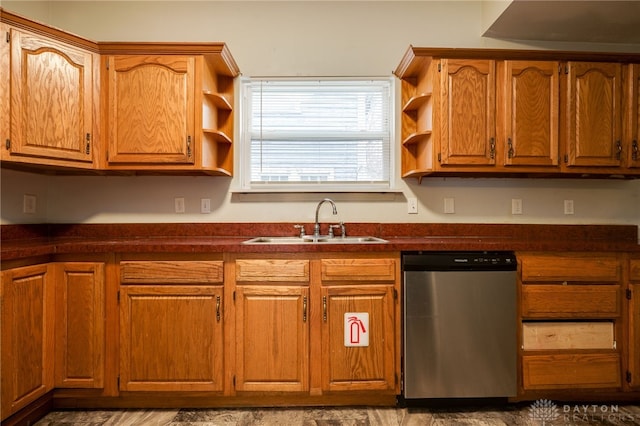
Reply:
x=356 y=329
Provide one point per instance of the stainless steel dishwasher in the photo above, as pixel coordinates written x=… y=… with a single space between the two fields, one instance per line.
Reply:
x=459 y=325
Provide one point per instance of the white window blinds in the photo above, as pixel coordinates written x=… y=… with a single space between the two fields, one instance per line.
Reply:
x=317 y=133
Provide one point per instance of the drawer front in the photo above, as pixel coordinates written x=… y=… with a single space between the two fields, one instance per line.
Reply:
x=358 y=269
x=586 y=268
x=549 y=335
x=634 y=269
x=570 y=301
x=270 y=270
x=565 y=371
x=172 y=272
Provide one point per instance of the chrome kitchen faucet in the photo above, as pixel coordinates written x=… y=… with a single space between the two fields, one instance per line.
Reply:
x=316 y=226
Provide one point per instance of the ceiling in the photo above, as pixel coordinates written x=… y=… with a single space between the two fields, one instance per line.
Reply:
x=593 y=21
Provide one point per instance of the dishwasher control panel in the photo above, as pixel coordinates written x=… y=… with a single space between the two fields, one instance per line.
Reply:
x=453 y=261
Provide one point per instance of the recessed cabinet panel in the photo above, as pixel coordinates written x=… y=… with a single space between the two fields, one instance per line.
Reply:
x=80 y=324
x=632 y=136
x=51 y=100
x=468 y=108
x=366 y=367
x=171 y=338
x=531 y=104
x=594 y=114
x=272 y=338
x=27 y=321
x=151 y=109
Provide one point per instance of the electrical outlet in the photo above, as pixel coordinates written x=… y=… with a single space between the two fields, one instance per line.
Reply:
x=412 y=205
x=179 y=204
x=205 y=205
x=29 y=204
x=568 y=206
x=516 y=206
x=449 y=206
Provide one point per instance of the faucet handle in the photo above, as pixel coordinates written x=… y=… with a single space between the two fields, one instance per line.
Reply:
x=301 y=228
x=331 y=227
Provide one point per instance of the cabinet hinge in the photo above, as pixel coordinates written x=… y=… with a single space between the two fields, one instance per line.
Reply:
x=87 y=148
x=234 y=381
x=566 y=158
x=628 y=376
x=628 y=293
x=118 y=382
x=8 y=37
x=118 y=296
x=7 y=144
x=566 y=69
x=395 y=294
x=439 y=157
x=439 y=67
x=234 y=296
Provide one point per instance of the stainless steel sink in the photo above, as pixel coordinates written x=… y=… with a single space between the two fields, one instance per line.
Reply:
x=316 y=240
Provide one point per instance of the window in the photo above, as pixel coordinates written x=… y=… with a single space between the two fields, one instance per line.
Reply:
x=316 y=135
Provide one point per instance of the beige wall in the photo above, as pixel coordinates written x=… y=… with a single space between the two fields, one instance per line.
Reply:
x=277 y=38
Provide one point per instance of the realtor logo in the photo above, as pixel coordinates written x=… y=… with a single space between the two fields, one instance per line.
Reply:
x=543 y=411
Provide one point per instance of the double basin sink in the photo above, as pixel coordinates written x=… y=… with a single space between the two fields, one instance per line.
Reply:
x=309 y=239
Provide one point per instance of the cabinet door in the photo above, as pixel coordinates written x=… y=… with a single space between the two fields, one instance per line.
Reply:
x=594 y=119
x=633 y=117
x=27 y=321
x=171 y=338
x=531 y=113
x=151 y=109
x=348 y=364
x=5 y=69
x=51 y=99
x=272 y=338
x=80 y=351
x=634 y=323
x=468 y=106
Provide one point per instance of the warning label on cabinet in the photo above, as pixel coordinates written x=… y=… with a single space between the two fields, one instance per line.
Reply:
x=356 y=329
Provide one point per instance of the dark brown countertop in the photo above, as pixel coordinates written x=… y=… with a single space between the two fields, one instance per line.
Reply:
x=23 y=241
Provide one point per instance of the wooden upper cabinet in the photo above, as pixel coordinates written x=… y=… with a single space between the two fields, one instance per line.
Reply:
x=632 y=126
x=468 y=108
x=151 y=109
x=594 y=114
x=52 y=102
x=170 y=107
x=531 y=92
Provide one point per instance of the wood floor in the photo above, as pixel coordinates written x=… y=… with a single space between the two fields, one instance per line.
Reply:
x=508 y=415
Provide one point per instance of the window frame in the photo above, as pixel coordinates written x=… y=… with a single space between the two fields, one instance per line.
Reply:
x=244 y=149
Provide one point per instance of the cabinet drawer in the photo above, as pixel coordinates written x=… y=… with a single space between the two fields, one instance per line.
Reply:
x=564 y=371
x=575 y=268
x=358 y=269
x=272 y=270
x=567 y=335
x=570 y=301
x=172 y=272
x=634 y=269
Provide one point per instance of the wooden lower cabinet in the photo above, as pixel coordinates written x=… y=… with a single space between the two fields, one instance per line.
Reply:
x=349 y=314
x=27 y=321
x=272 y=338
x=634 y=322
x=80 y=324
x=572 y=322
x=170 y=338
x=302 y=321
x=171 y=325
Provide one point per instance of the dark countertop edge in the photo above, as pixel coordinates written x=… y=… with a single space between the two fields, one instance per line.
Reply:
x=24 y=241
x=15 y=251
